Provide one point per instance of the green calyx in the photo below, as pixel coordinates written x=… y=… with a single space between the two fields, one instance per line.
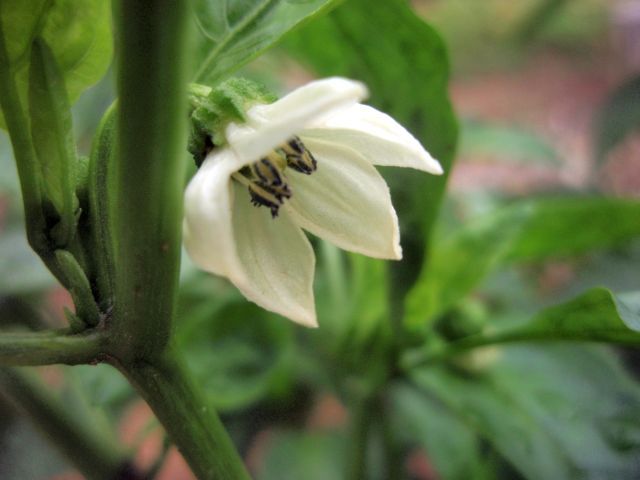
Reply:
x=212 y=109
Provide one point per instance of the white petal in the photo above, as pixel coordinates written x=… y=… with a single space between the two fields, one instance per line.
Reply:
x=207 y=227
x=377 y=136
x=345 y=201
x=277 y=259
x=272 y=124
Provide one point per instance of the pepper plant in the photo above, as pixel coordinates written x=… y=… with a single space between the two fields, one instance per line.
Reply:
x=187 y=149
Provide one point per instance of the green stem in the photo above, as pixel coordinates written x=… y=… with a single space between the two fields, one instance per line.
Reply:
x=87 y=449
x=362 y=416
x=151 y=145
x=392 y=452
x=189 y=420
x=49 y=347
x=414 y=359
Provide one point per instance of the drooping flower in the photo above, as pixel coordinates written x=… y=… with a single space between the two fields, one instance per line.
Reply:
x=305 y=161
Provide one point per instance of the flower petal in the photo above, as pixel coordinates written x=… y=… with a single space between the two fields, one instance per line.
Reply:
x=377 y=136
x=272 y=124
x=207 y=228
x=345 y=201
x=277 y=260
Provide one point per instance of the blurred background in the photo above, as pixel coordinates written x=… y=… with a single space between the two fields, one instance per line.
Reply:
x=548 y=98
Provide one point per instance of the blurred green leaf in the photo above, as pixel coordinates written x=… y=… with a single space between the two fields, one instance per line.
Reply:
x=459 y=263
x=597 y=315
x=504 y=143
x=235 y=31
x=101 y=386
x=239 y=353
x=314 y=456
x=618 y=117
x=558 y=412
x=404 y=63
x=570 y=226
x=449 y=443
x=531 y=230
x=79 y=34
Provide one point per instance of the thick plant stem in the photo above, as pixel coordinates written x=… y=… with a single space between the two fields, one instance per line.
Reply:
x=189 y=420
x=151 y=136
x=149 y=163
x=46 y=348
x=94 y=457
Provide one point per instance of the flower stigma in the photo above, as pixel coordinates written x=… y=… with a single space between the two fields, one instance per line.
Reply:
x=265 y=178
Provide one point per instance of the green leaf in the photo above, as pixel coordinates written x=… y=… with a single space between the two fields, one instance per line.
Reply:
x=618 y=117
x=597 y=315
x=52 y=135
x=561 y=413
x=79 y=34
x=531 y=230
x=235 y=31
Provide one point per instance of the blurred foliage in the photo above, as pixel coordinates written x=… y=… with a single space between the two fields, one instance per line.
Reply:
x=238 y=353
x=618 y=118
x=453 y=391
x=557 y=412
x=484 y=140
x=493 y=33
x=531 y=230
x=298 y=456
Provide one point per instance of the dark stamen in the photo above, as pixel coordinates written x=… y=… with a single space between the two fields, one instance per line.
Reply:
x=299 y=158
x=296 y=144
x=269 y=196
x=265 y=180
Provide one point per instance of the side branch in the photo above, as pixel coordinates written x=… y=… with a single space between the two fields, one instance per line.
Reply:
x=49 y=347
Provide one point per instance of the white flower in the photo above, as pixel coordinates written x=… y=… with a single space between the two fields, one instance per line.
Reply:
x=261 y=248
